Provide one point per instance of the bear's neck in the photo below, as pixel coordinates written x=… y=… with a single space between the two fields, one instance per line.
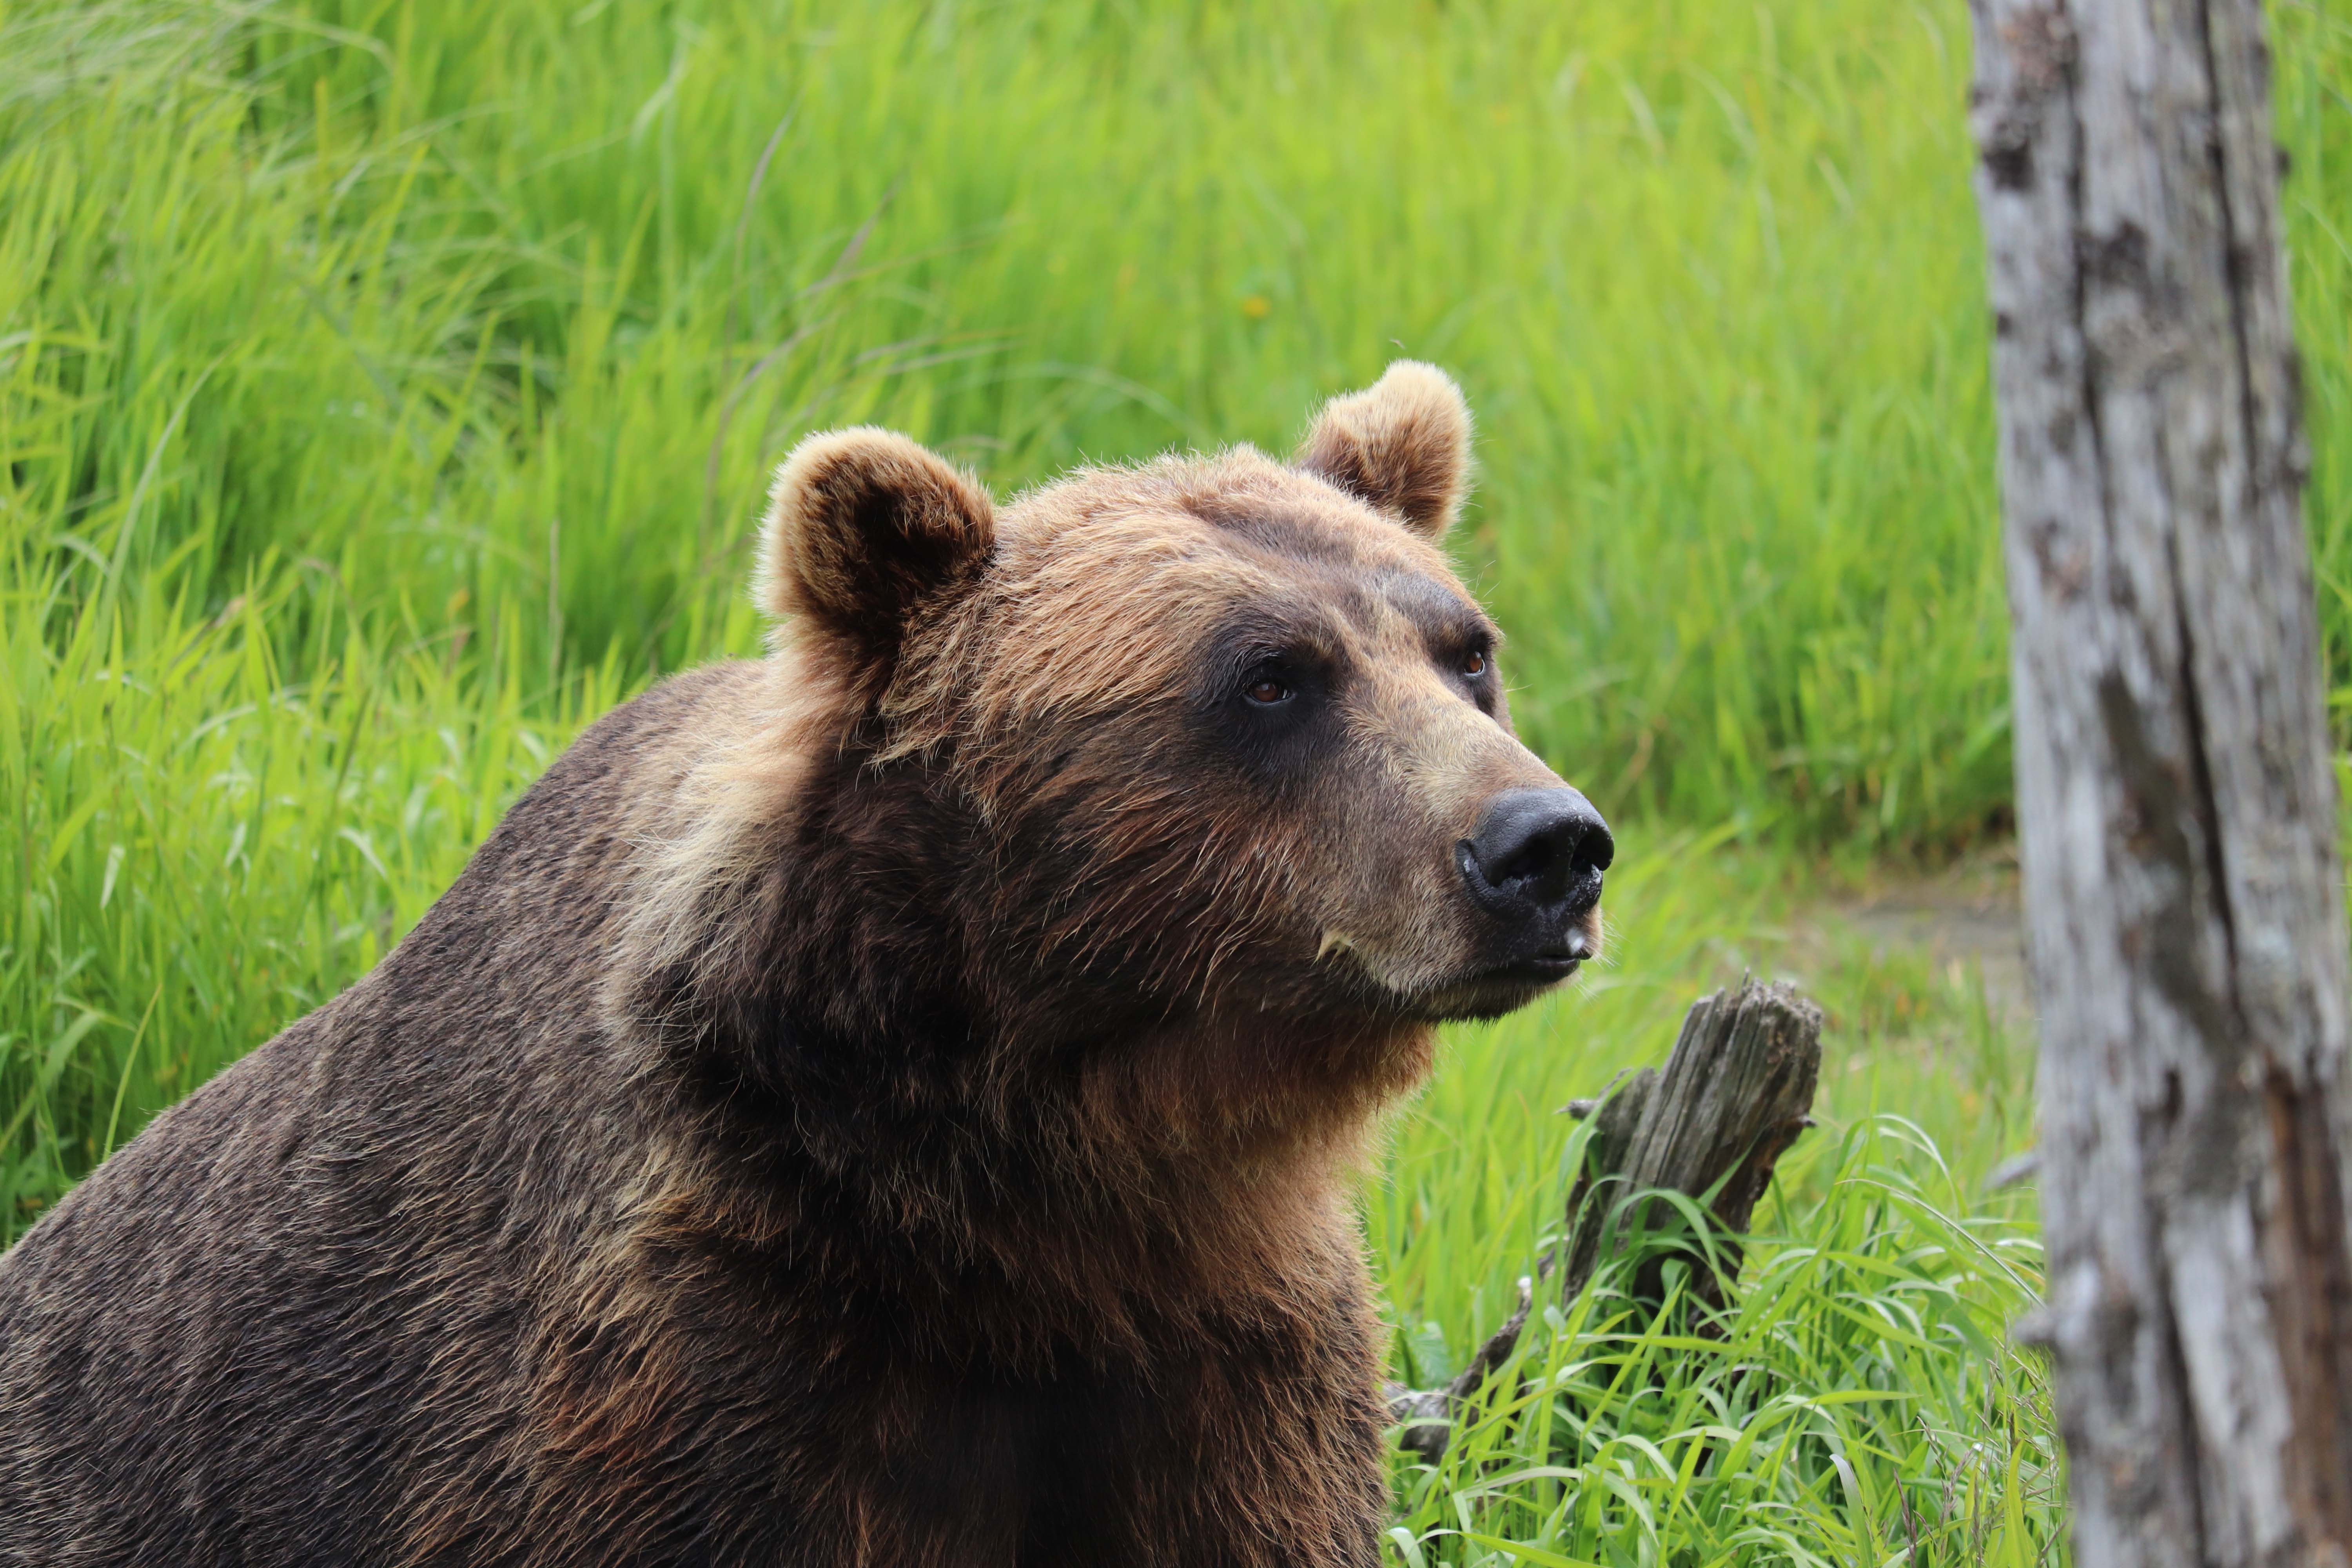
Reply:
x=1099 y=1201
x=843 y=1069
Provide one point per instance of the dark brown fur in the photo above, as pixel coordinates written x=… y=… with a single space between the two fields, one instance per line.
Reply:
x=889 y=1103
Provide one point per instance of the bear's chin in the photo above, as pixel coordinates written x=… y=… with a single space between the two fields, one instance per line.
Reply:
x=1489 y=994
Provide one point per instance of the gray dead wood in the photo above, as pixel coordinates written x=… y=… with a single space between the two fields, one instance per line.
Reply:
x=2175 y=801
x=1734 y=1092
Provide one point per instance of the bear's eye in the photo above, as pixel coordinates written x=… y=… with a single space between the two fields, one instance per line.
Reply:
x=1266 y=689
x=1473 y=663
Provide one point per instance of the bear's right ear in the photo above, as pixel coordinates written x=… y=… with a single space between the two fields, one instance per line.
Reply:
x=863 y=526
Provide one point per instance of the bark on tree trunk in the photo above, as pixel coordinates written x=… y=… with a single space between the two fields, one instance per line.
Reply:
x=2174 y=794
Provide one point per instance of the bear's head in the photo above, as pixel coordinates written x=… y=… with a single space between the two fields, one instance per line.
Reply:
x=1209 y=738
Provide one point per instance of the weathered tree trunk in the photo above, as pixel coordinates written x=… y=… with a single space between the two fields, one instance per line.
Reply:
x=2173 y=787
x=1735 y=1093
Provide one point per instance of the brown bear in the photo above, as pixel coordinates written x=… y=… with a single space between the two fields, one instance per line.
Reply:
x=891 y=1102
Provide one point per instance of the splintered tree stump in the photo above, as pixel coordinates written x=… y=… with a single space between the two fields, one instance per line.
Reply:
x=1735 y=1093
x=1733 y=1096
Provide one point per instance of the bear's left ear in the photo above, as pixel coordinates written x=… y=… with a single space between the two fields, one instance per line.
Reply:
x=863 y=527
x=1402 y=445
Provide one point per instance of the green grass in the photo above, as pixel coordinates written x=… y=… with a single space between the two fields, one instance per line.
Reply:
x=1872 y=1328
x=1850 y=1406
x=386 y=388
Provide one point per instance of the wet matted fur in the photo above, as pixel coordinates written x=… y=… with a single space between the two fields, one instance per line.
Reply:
x=891 y=1102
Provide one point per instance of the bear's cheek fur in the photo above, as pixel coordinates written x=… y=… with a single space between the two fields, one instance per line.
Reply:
x=1139 y=861
x=1133 y=867
x=1417 y=772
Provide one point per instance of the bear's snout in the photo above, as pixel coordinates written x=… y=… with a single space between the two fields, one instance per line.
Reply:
x=1534 y=866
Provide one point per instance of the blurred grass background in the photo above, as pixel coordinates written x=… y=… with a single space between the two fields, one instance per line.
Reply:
x=388 y=388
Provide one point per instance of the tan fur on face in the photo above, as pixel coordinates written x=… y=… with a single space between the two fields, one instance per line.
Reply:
x=1092 y=619
x=1402 y=445
x=1446 y=761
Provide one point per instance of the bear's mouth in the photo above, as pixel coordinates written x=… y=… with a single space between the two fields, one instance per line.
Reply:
x=1503 y=984
x=1499 y=988
x=1535 y=969
x=1541 y=958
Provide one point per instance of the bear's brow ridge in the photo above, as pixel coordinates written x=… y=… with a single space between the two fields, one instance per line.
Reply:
x=1442 y=614
x=1286 y=524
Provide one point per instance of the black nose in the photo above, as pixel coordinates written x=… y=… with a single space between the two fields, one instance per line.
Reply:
x=1538 y=852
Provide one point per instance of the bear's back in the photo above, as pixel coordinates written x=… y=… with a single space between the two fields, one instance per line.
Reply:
x=301 y=1301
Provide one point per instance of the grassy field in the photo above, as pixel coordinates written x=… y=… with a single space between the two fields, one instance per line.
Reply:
x=387 y=388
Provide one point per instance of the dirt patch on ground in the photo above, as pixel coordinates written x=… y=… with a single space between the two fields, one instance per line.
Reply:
x=1968 y=916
